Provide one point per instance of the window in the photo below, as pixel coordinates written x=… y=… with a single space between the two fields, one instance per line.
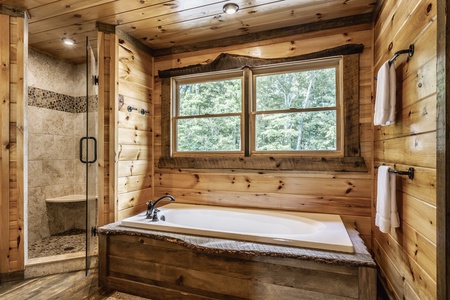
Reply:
x=296 y=108
x=293 y=109
x=241 y=126
x=207 y=114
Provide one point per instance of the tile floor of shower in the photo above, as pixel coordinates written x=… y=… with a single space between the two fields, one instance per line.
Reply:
x=71 y=241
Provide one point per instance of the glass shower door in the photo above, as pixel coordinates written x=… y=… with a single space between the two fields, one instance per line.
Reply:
x=88 y=153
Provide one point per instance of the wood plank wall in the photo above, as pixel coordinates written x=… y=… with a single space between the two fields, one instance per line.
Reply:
x=407 y=256
x=107 y=131
x=135 y=138
x=347 y=194
x=12 y=184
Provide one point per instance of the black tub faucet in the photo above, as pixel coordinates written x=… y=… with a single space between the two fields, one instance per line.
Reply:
x=152 y=211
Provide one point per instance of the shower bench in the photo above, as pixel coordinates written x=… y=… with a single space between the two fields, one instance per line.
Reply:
x=70 y=198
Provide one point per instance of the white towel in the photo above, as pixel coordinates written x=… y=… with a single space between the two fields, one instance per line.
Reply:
x=387 y=214
x=385 y=97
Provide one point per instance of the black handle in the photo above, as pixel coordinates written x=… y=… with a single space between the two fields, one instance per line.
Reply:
x=81 y=150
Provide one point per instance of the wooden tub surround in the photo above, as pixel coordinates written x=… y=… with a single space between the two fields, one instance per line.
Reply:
x=162 y=265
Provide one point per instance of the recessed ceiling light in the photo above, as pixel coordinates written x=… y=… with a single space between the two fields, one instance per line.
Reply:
x=68 y=41
x=230 y=8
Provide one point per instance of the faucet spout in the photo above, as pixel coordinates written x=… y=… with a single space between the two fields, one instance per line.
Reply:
x=152 y=210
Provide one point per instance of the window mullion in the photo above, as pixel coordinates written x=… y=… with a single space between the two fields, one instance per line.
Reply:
x=247 y=97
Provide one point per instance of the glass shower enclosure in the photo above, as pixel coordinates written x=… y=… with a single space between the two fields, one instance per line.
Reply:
x=88 y=153
x=62 y=109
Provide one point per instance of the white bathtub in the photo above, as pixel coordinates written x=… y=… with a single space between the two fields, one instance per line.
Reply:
x=310 y=230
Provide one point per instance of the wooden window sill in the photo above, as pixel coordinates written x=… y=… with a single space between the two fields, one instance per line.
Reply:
x=325 y=164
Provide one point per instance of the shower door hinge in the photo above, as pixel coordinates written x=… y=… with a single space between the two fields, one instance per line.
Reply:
x=94 y=231
x=95 y=80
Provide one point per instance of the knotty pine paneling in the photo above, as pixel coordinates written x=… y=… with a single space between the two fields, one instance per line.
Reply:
x=12 y=193
x=411 y=27
x=348 y=194
x=407 y=255
x=135 y=137
x=107 y=131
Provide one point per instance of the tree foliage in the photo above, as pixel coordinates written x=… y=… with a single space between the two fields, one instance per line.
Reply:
x=293 y=111
x=218 y=133
x=311 y=130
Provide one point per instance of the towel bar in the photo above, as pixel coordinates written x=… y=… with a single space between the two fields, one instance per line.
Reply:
x=410 y=172
x=410 y=52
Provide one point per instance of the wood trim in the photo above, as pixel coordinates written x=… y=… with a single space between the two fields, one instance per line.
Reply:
x=443 y=151
x=12 y=12
x=20 y=137
x=105 y=28
x=351 y=105
x=267 y=35
x=165 y=117
x=103 y=254
x=112 y=29
x=5 y=142
x=226 y=61
x=107 y=132
x=152 y=110
x=367 y=283
x=377 y=9
x=126 y=37
x=113 y=127
x=12 y=276
x=330 y=164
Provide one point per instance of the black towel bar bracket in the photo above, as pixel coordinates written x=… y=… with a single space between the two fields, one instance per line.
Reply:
x=410 y=172
x=131 y=108
x=410 y=52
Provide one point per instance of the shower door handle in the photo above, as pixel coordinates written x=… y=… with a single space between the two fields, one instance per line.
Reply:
x=81 y=150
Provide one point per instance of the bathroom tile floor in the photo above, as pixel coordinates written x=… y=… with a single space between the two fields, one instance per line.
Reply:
x=66 y=286
x=70 y=241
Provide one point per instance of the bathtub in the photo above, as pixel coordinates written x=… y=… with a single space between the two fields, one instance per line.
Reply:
x=309 y=230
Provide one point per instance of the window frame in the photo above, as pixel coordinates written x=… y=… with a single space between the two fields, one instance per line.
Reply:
x=351 y=161
x=248 y=106
x=174 y=116
x=300 y=66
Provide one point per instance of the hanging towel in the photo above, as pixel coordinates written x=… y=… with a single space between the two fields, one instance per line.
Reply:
x=385 y=97
x=387 y=214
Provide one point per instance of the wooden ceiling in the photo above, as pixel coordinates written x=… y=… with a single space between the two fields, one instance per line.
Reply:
x=165 y=25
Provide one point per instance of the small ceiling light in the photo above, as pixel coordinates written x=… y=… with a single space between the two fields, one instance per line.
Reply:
x=68 y=41
x=230 y=8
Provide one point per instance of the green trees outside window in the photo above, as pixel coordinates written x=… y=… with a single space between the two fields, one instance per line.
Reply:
x=312 y=94
x=287 y=109
x=209 y=116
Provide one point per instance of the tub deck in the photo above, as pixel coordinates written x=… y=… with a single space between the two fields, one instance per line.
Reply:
x=163 y=265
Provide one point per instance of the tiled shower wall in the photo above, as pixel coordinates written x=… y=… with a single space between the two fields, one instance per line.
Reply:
x=56 y=122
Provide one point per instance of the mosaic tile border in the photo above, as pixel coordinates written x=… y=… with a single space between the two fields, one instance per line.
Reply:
x=56 y=101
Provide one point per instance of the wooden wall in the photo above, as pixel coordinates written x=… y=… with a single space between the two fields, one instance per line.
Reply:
x=125 y=160
x=12 y=184
x=348 y=194
x=135 y=139
x=407 y=256
x=107 y=129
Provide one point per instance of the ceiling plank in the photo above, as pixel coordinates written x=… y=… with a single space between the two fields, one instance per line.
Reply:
x=267 y=35
x=51 y=10
x=176 y=26
x=198 y=30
